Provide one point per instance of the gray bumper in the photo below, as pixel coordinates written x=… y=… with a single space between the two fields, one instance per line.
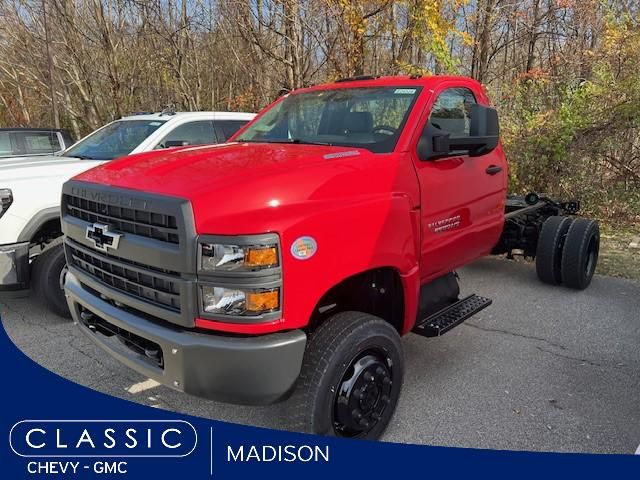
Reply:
x=14 y=266
x=246 y=370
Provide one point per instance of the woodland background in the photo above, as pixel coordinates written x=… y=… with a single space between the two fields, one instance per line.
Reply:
x=564 y=74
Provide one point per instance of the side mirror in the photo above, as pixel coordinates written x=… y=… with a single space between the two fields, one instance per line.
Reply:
x=484 y=135
x=175 y=143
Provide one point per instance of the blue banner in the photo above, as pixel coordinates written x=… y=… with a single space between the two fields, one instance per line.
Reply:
x=56 y=428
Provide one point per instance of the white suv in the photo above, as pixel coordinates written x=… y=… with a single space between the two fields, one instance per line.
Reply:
x=30 y=190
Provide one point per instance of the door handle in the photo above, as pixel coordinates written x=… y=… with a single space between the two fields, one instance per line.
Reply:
x=493 y=169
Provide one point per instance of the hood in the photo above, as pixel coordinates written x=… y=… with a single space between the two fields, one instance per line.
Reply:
x=233 y=187
x=189 y=172
x=31 y=168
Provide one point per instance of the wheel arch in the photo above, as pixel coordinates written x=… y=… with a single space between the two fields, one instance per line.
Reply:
x=45 y=221
x=379 y=291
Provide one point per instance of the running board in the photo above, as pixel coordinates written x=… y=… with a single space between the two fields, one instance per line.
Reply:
x=449 y=317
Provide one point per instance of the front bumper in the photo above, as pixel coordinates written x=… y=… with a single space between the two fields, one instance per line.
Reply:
x=14 y=266
x=247 y=370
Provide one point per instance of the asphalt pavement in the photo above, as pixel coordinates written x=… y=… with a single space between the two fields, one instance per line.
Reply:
x=544 y=368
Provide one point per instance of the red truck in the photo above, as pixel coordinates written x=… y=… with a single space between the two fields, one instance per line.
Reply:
x=291 y=261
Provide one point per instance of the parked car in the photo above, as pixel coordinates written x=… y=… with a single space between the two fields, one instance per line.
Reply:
x=293 y=259
x=20 y=142
x=30 y=189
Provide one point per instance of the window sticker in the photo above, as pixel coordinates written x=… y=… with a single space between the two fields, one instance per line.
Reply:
x=404 y=91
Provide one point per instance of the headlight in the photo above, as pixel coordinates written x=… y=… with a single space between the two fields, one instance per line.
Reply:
x=231 y=301
x=6 y=199
x=258 y=253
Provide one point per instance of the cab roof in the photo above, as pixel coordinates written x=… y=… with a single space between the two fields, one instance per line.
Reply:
x=363 y=81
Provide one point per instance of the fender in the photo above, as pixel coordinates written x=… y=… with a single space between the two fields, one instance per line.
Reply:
x=37 y=221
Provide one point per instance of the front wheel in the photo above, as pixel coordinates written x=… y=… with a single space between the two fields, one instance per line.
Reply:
x=351 y=377
x=49 y=270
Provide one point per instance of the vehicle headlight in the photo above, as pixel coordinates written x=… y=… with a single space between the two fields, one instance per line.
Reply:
x=6 y=199
x=232 y=301
x=249 y=255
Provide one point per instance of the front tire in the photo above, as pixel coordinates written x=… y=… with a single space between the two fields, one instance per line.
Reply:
x=351 y=377
x=48 y=276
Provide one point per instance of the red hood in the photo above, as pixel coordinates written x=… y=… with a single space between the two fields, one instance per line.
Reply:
x=234 y=187
x=189 y=172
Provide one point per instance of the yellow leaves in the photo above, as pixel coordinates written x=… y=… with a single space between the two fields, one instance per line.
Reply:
x=466 y=38
x=410 y=69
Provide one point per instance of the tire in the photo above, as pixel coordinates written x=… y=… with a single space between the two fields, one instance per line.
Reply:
x=549 y=249
x=351 y=378
x=580 y=253
x=47 y=275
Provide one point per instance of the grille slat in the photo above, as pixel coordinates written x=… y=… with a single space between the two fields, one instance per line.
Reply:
x=158 y=226
x=158 y=289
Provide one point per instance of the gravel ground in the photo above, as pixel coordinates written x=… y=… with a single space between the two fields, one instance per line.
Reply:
x=543 y=368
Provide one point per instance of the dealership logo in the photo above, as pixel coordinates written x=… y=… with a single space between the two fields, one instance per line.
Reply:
x=102 y=438
x=102 y=238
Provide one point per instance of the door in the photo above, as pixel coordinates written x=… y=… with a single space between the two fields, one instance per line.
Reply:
x=462 y=197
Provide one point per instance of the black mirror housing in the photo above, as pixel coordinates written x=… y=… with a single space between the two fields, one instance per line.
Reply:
x=484 y=136
x=175 y=143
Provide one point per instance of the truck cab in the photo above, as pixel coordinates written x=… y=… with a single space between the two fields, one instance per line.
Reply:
x=290 y=261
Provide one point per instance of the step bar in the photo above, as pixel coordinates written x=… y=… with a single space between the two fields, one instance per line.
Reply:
x=450 y=317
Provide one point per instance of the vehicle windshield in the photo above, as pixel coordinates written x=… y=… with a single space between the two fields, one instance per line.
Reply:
x=114 y=140
x=370 y=118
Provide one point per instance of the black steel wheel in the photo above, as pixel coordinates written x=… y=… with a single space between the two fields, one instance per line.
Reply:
x=351 y=377
x=549 y=249
x=580 y=253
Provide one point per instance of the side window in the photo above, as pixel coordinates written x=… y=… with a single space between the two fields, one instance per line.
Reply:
x=5 y=143
x=40 y=142
x=192 y=133
x=452 y=111
x=226 y=128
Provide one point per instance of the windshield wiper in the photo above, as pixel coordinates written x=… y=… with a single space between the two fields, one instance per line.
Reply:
x=82 y=157
x=295 y=141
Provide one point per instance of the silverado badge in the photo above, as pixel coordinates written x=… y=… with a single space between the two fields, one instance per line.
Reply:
x=102 y=238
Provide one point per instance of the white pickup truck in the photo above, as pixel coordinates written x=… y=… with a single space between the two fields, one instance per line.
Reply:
x=31 y=252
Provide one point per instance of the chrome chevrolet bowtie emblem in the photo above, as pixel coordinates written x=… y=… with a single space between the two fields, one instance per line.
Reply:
x=102 y=238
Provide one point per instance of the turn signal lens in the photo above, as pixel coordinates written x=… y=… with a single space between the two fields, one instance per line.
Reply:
x=263 y=301
x=261 y=257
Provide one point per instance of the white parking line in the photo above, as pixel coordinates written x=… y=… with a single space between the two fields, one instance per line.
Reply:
x=142 y=386
x=638 y=450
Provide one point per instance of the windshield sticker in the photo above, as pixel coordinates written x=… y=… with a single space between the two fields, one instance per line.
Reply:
x=350 y=153
x=155 y=124
x=404 y=91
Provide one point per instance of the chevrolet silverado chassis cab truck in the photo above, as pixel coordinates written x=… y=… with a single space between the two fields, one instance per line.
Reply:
x=31 y=253
x=291 y=261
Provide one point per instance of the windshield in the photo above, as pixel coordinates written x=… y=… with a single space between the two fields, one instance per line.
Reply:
x=114 y=140
x=370 y=118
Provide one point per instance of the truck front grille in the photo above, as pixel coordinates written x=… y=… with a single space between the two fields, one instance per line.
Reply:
x=160 y=289
x=158 y=226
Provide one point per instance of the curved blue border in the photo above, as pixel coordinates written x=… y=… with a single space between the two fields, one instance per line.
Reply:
x=32 y=392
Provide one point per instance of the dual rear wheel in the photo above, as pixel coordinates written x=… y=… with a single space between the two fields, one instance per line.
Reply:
x=567 y=251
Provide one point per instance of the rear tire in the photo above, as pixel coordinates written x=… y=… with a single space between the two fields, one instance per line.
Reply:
x=47 y=277
x=549 y=249
x=351 y=378
x=580 y=253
